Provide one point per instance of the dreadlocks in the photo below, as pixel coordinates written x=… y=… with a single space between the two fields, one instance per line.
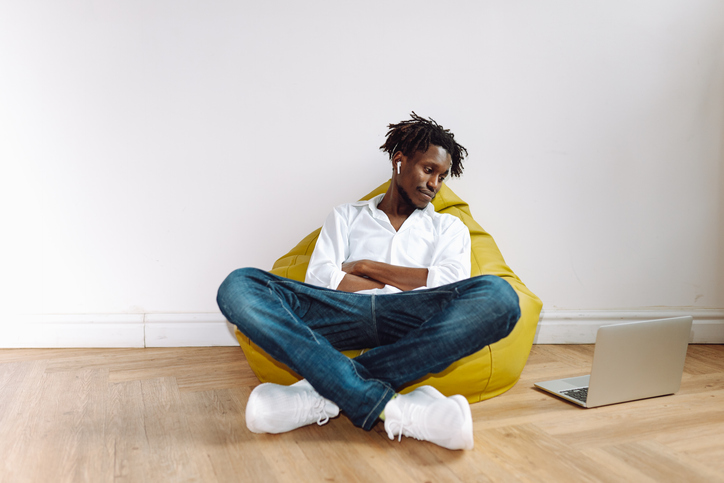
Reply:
x=417 y=134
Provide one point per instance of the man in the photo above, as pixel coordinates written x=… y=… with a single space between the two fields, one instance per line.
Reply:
x=390 y=274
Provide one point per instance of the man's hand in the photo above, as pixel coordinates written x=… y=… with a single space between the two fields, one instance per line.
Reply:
x=380 y=274
x=351 y=267
x=353 y=283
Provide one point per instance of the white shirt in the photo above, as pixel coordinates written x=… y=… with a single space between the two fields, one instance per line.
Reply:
x=359 y=231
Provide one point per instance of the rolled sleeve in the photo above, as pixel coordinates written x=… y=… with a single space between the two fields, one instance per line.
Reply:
x=330 y=251
x=451 y=261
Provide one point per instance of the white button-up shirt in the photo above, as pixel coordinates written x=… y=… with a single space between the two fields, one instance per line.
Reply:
x=359 y=231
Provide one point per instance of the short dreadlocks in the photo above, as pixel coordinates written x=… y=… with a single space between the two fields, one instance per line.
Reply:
x=417 y=134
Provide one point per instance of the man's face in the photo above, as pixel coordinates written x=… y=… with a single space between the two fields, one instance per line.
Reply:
x=421 y=176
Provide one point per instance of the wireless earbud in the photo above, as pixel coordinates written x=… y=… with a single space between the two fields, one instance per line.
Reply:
x=398 y=166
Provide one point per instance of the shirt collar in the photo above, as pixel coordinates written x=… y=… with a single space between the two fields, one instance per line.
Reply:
x=372 y=203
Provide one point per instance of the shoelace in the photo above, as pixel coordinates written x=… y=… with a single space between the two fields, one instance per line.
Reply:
x=316 y=407
x=398 y=427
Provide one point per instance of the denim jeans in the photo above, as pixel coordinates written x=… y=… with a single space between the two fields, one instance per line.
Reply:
x=410 y=334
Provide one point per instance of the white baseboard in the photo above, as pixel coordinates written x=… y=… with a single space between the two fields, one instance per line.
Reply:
x=212 y=329
x=116 y=330
x=188 y=330
x=75 y=330
x=580 y=326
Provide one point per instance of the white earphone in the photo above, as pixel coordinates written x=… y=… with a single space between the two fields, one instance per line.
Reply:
x=398 y=166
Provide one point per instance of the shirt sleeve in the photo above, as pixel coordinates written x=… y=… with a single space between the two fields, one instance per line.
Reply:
x=451 y=258
x=331 y=250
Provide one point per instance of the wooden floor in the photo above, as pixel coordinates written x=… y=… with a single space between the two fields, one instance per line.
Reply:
x=102 y=415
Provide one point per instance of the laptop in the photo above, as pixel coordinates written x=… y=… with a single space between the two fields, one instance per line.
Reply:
x=634 y=360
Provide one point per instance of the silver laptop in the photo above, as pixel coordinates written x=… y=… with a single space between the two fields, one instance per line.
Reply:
x=634 y=360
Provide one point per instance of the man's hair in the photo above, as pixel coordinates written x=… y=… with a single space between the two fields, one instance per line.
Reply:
x=418 y=134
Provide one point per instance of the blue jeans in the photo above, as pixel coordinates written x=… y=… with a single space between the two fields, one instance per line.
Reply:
x=410 y=334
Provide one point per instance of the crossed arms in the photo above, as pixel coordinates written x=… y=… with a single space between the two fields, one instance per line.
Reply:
x=356 y=252
x=368 y=274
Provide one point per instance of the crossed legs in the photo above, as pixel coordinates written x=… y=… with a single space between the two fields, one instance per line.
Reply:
x=411 y=333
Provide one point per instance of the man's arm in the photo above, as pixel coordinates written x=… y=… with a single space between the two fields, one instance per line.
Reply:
x=331 y=250
x=328 y=269
x=354 y=283
x=380 y=274
x=450 y=263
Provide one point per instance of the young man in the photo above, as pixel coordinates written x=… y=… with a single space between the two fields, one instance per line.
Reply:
x=390 y=274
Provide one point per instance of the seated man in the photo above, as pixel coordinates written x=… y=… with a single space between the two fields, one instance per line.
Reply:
x=390 y=274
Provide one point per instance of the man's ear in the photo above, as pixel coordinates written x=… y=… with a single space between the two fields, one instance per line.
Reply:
x=397 y=158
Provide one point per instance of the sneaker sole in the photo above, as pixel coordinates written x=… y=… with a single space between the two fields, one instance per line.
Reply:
x=250 y=416
x=468 y=440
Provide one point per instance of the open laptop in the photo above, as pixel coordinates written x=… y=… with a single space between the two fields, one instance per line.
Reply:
x=634 y=360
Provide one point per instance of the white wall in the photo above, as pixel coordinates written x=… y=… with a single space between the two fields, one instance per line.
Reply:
x=150 y=147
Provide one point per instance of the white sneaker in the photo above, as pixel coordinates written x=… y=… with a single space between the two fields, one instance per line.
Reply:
x=273 y=408
x=427 y=415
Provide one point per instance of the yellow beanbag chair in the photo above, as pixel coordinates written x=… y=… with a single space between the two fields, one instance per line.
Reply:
x=485 y=374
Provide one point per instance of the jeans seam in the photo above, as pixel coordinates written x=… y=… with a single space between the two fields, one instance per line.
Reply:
x=291 y=314
x=374 y=321
x=374 y=411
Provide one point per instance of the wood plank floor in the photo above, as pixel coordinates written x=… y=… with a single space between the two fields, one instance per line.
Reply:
x=149 y=415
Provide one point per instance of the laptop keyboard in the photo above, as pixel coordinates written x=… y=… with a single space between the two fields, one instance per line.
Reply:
x=580 y=393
